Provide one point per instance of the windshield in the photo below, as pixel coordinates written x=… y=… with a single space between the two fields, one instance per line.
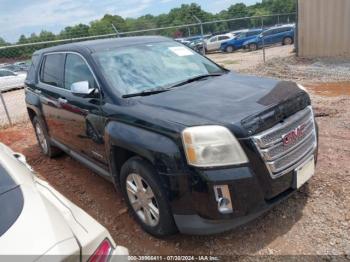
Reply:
x=147 y=67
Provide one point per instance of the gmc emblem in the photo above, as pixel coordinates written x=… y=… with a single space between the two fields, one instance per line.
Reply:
x=293 y=136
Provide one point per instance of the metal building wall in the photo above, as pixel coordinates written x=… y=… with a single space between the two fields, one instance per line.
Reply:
x=324 y=28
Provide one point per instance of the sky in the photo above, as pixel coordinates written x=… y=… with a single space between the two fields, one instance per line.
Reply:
x=27 y=16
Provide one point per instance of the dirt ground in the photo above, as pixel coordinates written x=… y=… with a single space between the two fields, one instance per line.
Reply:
x=242 y=60
x=315 y=221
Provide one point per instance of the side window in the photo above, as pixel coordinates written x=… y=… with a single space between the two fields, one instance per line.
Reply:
x=268 y=33
x=51 y=70
x=242 y=35
x=287 y=29
x=223 y=38
x=32 y=68
x=281 y=30
x=214 y=39
x=76 y=70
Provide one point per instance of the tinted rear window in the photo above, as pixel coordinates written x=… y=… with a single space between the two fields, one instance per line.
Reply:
x=11 y=201
x=32 y=68
x=6 y=182
x=51 y=70
x=253 y=33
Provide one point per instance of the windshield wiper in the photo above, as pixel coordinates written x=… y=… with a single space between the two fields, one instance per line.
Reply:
x=194 y=79
x=165 y=89
x=147 y=92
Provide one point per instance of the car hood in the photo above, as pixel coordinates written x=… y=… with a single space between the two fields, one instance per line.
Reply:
x=224 y=100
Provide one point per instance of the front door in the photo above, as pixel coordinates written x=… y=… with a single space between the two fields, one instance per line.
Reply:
x=84 y=124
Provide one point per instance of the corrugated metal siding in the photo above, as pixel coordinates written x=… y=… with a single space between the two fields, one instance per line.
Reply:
x=324 y=28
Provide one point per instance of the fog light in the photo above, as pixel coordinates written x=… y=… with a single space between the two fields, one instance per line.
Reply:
x=223 y=198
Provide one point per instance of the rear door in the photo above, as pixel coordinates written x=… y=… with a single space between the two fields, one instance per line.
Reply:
x=221 y=39
x=212 y=43
x=280 y=34
x=269 y=36
x=240 y=40
x=50 y=89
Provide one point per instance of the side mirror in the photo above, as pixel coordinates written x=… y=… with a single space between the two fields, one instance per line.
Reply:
x=81 y=88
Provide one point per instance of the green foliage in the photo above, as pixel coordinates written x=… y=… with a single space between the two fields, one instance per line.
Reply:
x=177 y=16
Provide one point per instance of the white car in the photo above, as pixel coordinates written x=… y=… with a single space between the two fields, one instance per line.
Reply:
x=10 y=80
x=37 y=221
x=214 y=43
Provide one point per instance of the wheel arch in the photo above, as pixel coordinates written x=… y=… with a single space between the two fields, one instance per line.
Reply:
x=124 y=141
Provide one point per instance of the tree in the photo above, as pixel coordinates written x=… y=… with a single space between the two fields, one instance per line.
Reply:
x=79 y=30
x=176 y=16
x=2 y=42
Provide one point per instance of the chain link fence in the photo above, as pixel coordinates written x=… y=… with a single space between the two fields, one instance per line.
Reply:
x=15 y=59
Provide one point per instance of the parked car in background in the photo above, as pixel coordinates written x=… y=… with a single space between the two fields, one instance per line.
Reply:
x=11 y=80
x=189 y=40
x=197 y=45
x=237 y=32
x=22 y=66
x=214 y=43
x=275 y=35
x=236 y=43
x=36 y=220
x=192 y=146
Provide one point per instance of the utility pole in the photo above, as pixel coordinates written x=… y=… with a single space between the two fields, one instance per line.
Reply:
x=5 y=107
x=115 y=29
x=202 y=32
x=263 y=39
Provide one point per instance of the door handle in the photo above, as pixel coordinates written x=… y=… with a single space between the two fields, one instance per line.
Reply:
x=37 y=91
x=62 y=100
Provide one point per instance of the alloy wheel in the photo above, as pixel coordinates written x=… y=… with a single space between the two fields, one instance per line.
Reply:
x=253 y=47
x=142 y=199
x=41 y=137
x=229 y=49
x=288 y=41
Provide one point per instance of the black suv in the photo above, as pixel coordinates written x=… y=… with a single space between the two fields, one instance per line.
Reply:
x=192 y=146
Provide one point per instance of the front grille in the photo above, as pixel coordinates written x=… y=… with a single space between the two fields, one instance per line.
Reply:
x=279 y=158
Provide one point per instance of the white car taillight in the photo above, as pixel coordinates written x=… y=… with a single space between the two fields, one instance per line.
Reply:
x=102 y=252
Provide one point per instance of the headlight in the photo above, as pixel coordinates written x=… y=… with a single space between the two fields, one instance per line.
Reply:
x=212 y=146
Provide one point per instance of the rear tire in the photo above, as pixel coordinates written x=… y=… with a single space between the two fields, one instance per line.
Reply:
x=146 y=198
x=287 y=41
x=43 y=139
x=230 y=49
x=253 y=47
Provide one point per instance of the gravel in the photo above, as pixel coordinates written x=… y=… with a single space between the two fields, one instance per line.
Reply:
x=305 y=70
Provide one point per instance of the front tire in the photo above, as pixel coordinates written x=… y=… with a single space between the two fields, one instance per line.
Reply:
x=43 y=138
x=146 y=198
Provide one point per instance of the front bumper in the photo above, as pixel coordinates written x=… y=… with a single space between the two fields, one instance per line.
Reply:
x=197 y=225
x=252 y=191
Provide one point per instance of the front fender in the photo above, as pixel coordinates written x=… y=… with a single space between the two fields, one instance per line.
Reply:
x=161 y=151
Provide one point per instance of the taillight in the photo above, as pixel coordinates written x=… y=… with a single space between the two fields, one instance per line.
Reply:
x=102 y=252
